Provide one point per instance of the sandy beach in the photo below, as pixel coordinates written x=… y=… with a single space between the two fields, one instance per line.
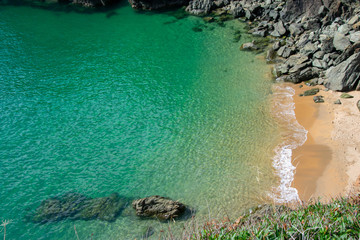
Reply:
x=328 y=163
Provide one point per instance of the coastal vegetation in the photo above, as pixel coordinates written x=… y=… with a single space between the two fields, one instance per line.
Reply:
x=338 y=219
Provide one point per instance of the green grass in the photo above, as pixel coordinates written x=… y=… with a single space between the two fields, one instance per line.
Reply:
x=336 y=220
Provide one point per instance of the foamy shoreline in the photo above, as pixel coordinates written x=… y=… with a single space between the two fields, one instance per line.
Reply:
x=328 y=161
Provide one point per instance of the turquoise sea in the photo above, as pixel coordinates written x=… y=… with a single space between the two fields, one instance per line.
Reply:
x=135 y=103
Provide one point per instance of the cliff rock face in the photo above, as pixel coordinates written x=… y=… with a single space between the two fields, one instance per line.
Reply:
x=314 y=8
x=296 y=8
x=199 y=7
x=345 y=76
x=157 y=4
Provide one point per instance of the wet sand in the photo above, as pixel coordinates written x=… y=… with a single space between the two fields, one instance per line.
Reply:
x=328 y=163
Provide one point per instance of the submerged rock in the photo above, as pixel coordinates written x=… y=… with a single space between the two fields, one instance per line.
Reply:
x=76 y=206
x=158 y=207
x=358 y=105
x=250 y=46
x=337 y=101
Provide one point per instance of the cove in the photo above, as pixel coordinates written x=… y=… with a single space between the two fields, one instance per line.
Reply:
x=135 y=103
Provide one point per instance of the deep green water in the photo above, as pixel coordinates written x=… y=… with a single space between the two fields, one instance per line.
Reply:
x=139 y=104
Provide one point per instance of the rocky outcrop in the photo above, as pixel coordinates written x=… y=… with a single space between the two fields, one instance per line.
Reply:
x=199 y=7
x=157 y=4
x=76 y=206
x=296 y=8
x=159 y=207
x=345 y=76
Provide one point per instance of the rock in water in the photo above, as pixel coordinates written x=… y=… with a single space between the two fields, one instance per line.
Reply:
x=358 y=105
x=159 y=207
x=77 y=206
x=345 y=76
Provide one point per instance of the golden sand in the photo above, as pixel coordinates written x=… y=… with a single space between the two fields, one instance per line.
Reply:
x=328 y=163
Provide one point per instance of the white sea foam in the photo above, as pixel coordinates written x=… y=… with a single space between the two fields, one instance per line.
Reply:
x=293 y=136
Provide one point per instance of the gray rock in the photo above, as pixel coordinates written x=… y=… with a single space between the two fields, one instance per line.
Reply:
x=274 y=14
x=299 y=67
x=221 y=3
x=345 y=76
x=303 y=75
x=358 y=105
x=344 y=29
x=318 y=99
x=318 y=63
x=337 y=101
x=249 y=15
x=346 y=54
x=250 y=46
x=312 y=24
x=295 y=29
x=309 y=48
x=276 y=45
x=327 y=45
x=303 y=40
x=322 y=11
x=295 y=8
x=236 y=9
x=355 y=37
x=287 y=52
x=158 y=207
x=341 y=42
x=199 y=7
x=279 y=29
x=319 y=54
x=259 y=33
x=281 y=50
x=281 y=69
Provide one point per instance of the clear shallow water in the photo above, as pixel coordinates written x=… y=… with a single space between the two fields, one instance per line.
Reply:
x=138 y=104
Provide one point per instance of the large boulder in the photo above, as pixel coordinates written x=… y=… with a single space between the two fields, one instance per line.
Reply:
x=159 y=207
x=296 y=8
x=157 y=4
x=341 y=42
x=279 y=29
x=76 y=206
x=300 y=76
x=345 y=76
x=199 y=7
